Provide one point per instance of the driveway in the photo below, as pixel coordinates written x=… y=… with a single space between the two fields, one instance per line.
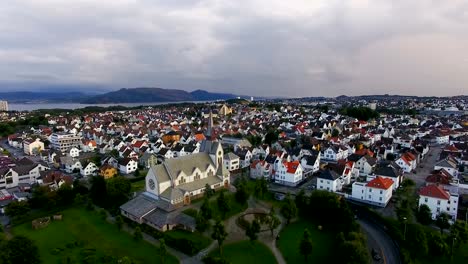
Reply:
x=381 y=242
x=427 y=167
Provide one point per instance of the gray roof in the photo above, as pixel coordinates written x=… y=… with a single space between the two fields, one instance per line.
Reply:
x=139 y=206
x=171 y=168
x=209 y=146
x=329 y=175
x=230 y=156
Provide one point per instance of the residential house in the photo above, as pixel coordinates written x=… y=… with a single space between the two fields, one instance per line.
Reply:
x=259 y=169
x=33 y=146
x=289 y=173
x=231 y=161
x=439 y=201
x=127 y=165
x=107 y=171
x=449 y=164
x=376 y=192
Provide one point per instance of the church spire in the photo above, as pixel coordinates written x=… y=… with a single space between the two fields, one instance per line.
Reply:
x=209 y=132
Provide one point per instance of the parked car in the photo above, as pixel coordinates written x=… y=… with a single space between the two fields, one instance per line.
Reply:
x=375 y=255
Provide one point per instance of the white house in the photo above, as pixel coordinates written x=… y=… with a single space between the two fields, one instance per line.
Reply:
x=439 y=201
x=259 y=169
x=289 y=173
x=376 y=192
x=366 y=165
x=449 y=164
x=231 y=161
x=335 y=153
x=32 y=147
x=127 y=165
x=311 y=162
x=329 y=180
x=407 y=162
x=74 y=152
x=88 y=168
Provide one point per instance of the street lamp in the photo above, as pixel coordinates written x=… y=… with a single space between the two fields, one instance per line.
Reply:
x=404 y=232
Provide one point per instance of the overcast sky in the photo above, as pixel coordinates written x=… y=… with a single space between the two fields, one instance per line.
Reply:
x=254 y=47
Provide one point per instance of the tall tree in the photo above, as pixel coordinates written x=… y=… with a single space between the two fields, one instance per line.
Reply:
x=424 y=215
x=305 y=247
x=273 y=221
x=201 y=222
x=219 y=234
x=118 y=191
x=98 y=191
x=289 y=209
x=206 y=210
x=137 y=235
x=208 y=191
x=162 y=249
x=442 y=222
x=252 y=230
x=119 y=222
x=223 y=204
x=20 y=249
x=242 y=194
x=459 y=230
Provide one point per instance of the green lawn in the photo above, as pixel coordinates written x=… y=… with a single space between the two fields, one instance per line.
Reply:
x=290 y=238
x=234 y=209
x=198 y=241
x=82 y=233
x=245 y=252
x=138 y=186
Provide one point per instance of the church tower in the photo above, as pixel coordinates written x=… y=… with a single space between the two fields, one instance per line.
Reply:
x=209 y=132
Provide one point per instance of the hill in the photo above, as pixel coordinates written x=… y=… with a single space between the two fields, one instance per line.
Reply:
x=146 y=95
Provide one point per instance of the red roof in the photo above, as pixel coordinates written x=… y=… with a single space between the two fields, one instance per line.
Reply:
x=434 y=191
x=291 y=166
x=380 y=183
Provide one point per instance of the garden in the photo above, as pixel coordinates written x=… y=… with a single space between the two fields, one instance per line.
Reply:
x=85 y=237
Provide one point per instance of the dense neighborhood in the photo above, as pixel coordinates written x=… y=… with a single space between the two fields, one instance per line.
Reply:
x=389 y=158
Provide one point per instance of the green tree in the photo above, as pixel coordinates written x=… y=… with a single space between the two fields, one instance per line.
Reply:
x=241 y=194
x=98 y=190
x=261 y=187
x=252 y=230
x=19 y=249
x=273 y=221
x=137 y=173
x=137 y=235
x=119 y=222
x=424 y=215
x=16 y=209
x=219 y=234
x=208 y=191
x=118 y=191
x=202 y=223
x=65 y=195
x=271 y=137
x=205 y=209
x=223 y=205
x=305 y=247
x=301 y=201
x=437 y=245
x=289 y=209
x=442 y=222
x=459 y=231
x=162 y=249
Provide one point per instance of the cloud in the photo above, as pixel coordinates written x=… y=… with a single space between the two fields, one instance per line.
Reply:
x=256 y=47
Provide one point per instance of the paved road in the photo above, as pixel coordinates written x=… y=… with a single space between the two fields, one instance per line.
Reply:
x=390 y=254
x=427 y=167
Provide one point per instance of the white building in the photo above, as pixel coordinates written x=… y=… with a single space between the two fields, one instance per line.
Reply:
x=88 y=169
x=3 y=106
x=289 y=173
x=32 y=147
x=260 y=169
x=64 y=141
x=439 y=201
x=127 y=166
x=231 y=161
x=376 y=192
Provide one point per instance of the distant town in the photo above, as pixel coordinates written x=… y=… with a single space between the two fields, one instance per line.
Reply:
x=379 y=179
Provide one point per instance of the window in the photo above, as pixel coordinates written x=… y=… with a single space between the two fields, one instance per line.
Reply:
x=370 y=190
x=438 y=209
x=438 y=202
x=370 y=196
x=425 y=200
x=448 y=209
x=197 y=176
x=380 y=198
x=381 y=192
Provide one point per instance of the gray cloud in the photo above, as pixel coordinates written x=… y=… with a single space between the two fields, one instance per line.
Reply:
x=256 y=47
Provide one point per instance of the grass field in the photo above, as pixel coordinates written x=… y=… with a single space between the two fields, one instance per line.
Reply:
x=244 y=252
x=290 y=238
x=83 y=234
x=138 y=186
x=234 y=209
x=199 y=241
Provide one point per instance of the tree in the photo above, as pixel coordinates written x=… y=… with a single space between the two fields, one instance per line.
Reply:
x=305 y=247
x=241 y=194
x=201 y=222
x=271 y=137
x=162 y=249
x=20 y=249
x=261 y=187
x=273 y=221
x=98 y=191
x=223 y=204
x=205 y=209
x=118 y=190
x=289 y=209
x=442 y=222
x=137 y=235
x=301 y=200
x=219 y=234
x=16 y=209
x=114 y=153
x=65 y=195
x=459 y=231
x=208 y=191
x=424 y=215
x=252 y=230
x=335 y=132
x=119 y=222
x=136 y=173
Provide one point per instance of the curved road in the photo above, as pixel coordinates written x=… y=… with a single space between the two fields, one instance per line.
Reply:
x=390 y=254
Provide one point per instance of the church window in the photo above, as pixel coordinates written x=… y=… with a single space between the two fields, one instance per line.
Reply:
x=197 y=176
